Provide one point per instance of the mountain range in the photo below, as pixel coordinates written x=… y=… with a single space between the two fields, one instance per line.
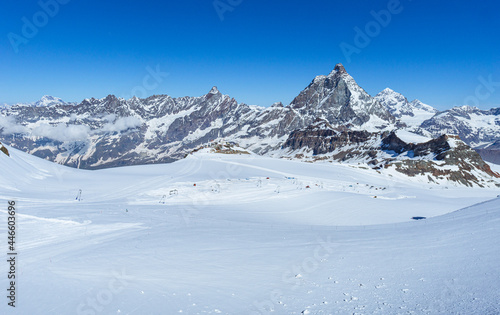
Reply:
x=110 y=132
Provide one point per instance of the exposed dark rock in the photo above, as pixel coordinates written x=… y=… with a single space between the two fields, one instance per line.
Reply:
x=4 y=150
x=445 y=157
x=322 y=138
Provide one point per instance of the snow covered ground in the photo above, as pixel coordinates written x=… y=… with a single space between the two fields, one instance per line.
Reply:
x=240 y=234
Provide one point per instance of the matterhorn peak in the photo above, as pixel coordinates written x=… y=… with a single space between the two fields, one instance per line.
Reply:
x=214 y=90
x=339 y=68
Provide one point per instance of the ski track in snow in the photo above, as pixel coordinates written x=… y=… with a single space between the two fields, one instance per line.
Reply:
x=247 y=247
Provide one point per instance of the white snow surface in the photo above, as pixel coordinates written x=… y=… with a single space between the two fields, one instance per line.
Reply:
x=240 y=243
x=410 y=137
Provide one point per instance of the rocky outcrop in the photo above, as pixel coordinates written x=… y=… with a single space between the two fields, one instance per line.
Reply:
x=453 y=161
x=4 y=150
x=321 y=138
x=435 y=147
x=221 y=147
x=445 y=158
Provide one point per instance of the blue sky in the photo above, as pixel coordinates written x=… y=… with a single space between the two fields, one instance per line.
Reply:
x=260 y=52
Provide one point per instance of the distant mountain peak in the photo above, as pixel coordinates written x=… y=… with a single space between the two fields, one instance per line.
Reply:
x=388 y=90
x=111 y=97
x=411 y=113
x=339 y=68
x=214 y=90
x=48 y=100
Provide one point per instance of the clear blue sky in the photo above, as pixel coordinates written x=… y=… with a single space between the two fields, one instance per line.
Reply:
x=260 y=53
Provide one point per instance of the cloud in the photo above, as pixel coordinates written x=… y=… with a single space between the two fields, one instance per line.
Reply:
x=68 y=132
x=62 y=132
x=9 y=126
x=110 y=117
x=121 y=124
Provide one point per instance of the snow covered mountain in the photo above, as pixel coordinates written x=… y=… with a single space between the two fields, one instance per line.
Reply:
x=46 y=100
x=112 y=131
x=411 y=113
x=109 y=132
x=338 y=99
x=4 y=150
x=477 y=127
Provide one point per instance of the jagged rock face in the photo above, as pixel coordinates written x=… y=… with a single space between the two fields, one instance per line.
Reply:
x=322 y=138
x=478 y=128
x=340 y=100
x=435 y=147
x=470 y=167
x=4 y=150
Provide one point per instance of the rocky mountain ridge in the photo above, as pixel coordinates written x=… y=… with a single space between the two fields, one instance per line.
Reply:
x=445 y=158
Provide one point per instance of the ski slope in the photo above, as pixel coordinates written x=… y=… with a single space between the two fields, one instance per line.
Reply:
x=256 y=235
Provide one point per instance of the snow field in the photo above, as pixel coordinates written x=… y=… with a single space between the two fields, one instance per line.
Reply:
x=247 y=249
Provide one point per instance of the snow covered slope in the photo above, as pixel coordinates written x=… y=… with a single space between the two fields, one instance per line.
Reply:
x=249 y=238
